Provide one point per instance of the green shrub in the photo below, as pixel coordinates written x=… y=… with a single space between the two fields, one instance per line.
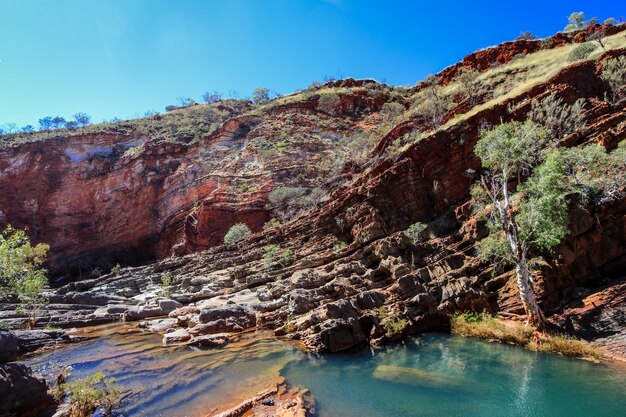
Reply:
x=581 y=52
x=271 y=223
x=261 y=95
x=289 y=202
x=328 y=102
x=558 y=117
x=237 y=233
x=359 y=148
x=392 y=324
x=339 y=247
x=415 y=232
x=488 y=327
x=116 y=270
x=614 y=74
x=391 y=110
x=166 y=280
x=90 y=393
x=469 y=84
x=435 y=103
x=272 y=255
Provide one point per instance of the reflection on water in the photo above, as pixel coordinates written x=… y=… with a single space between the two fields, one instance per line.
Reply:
x=174 y=381
x=432 y=375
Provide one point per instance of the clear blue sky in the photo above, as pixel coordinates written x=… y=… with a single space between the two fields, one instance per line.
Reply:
x=121 y=58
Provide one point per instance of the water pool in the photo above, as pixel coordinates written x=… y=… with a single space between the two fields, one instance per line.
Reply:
x=431 y=375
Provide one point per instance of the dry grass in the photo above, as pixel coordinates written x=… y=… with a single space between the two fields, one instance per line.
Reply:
x=567 y=346
x=488 y=327
x=520 y=75
x=485 y=326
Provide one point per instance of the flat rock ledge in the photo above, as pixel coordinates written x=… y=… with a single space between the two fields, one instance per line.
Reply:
x=282 y=401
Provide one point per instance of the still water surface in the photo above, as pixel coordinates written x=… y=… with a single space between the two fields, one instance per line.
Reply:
x=432 y=375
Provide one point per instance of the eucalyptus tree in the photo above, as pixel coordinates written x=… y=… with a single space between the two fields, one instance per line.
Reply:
x=531 y=217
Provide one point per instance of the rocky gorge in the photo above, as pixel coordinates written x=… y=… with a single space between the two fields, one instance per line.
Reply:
x=339 y=277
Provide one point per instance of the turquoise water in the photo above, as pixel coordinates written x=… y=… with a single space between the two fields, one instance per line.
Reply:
x=433 y=375
x=442 y=375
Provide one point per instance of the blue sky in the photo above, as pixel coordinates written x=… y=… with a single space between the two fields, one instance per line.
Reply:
x=121 y=58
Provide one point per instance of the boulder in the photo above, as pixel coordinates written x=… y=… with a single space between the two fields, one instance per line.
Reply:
x=23 y=394
x=211 y=340
x=31 y=340
x=226 y=318
x=8 y=347
x=176 y=336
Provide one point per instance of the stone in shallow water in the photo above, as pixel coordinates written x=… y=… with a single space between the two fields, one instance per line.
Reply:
x=177 y=336
x=413 y=376
x=211 y=340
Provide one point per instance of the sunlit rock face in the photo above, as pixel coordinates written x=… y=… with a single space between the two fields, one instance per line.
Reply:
x=349 y=262
x=100 y=198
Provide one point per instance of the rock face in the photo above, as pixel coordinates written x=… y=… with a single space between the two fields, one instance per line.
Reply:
x=353 y=277
x=22 y=394
x=600 y=316
x=98 y=201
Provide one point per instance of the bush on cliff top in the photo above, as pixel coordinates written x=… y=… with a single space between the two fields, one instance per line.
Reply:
x=581 y=52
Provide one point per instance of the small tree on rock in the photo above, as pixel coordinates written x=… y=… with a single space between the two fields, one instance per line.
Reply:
x=211 y=97
x=535 y=218
x=21 y=272
x=261 y=95
x=82 y=119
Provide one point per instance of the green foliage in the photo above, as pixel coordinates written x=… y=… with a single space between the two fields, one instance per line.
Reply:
x=392 y=324
x=543 y=216
x=211 y=97
x=90 y=393
x=469 y=84
x=236 y=233
x=486 y=326
x=511 y=148
x=558 y=117
x=21 y=272
x=271 y=223
x=415 y=232
x=577 y=22
x=273 y=254
x=614 y=74
x=328 y=102
x=610 y=21
x=288 y=202
x=261 y=95
x=116 y=270
x=391 y=110
x=435 y=103
x=495 y=249
x=19 y=259
x=581 y=52
x=166 y=280
x=526 y=36
x=359 y=148
x=596 y=175
x=339 y=247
